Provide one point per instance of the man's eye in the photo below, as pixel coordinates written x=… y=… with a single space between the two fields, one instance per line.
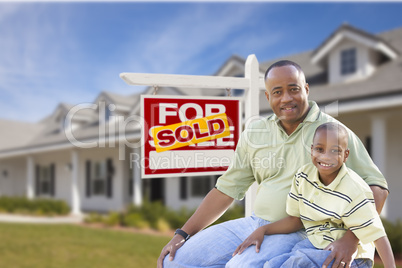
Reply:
x=335 y=151
x=318 y=149
x=276 y=92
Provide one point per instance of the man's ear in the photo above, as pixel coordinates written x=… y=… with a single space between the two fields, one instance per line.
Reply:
x=267 y=95
x=346 y=155
x=307 y=87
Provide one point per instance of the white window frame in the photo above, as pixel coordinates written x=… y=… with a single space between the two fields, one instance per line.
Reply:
x=348 y=61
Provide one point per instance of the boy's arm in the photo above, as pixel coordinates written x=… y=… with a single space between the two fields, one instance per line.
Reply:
x=286 y=225
x=384 y=250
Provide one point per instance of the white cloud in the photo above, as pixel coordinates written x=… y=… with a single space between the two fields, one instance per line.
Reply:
x=35 y=43
x=180 y=42
x=45 y=60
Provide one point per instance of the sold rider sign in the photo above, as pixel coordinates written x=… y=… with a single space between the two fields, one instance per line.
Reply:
x=188 y=136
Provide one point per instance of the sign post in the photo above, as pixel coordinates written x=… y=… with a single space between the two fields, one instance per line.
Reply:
x=252 y=83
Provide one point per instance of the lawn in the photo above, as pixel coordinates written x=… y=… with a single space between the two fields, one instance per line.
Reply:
x=62 y=246
x=66 y=246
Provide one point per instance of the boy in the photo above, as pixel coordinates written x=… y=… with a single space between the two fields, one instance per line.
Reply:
x=327 y=199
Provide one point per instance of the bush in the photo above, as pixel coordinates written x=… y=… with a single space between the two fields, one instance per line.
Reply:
x=234 y=212
x=112 y=219
x=93 y=217
x=394 y=233
x=135 y=220
x=177 y=219
x=47 y=207
x=156 y=216
x=162 y=225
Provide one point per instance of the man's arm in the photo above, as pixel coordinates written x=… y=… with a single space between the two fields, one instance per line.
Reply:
x=212 y=207
x=343 y=249
x=380 y=195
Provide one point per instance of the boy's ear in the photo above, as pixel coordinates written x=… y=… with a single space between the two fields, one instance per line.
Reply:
x=346 y=155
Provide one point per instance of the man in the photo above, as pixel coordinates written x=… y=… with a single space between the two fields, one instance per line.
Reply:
x=270 y=151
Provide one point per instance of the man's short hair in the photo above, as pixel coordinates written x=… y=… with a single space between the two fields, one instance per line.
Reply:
x=282 y=63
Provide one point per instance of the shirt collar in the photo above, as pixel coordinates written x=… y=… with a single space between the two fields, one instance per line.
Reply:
x=332 y=186
x=312 y=114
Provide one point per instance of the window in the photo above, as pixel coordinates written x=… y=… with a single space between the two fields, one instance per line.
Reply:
x=183 y=188
x=99 y=178
x=200 y=186
x=348 y=61
x=45 y=180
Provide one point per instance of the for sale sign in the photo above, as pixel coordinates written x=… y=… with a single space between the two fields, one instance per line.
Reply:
x=188 y=136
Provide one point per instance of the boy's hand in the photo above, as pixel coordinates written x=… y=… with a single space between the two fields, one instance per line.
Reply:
x=255 y=238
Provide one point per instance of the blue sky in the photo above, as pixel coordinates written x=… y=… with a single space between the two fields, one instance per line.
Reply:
x=52 y=52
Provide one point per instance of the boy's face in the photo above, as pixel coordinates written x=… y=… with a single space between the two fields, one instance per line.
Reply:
x=328 y=152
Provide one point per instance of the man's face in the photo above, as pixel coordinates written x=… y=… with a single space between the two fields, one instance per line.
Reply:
x=287 y=93
x=328 y=152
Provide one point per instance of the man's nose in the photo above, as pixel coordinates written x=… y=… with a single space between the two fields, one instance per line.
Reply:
x=287 y=97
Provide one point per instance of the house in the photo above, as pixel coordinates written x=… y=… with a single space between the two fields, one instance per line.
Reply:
x=89 y=155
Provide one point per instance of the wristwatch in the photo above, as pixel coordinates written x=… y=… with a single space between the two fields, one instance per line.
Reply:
x=185 y=235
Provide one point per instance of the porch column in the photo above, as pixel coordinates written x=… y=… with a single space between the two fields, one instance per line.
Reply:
x=379 y=147
x=30 y=177
x=75 y=194
x=137 y=182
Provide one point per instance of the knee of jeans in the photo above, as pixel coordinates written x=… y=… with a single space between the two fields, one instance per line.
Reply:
x=362 y=263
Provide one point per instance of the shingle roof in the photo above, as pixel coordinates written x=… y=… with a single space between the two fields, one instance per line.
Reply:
x=17 y=133
x=347 y=27
x=387 y=79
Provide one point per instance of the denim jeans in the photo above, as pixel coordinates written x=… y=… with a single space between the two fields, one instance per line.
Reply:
x=214 y=246
x=305 y=255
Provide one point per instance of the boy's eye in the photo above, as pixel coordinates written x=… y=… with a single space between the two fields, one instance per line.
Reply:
x=335 y=151
x=318 y=149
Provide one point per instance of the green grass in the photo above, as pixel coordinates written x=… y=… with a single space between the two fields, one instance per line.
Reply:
x=47 y=246
x=67 y=246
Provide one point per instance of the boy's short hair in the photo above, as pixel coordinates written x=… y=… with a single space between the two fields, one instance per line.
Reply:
x=333 y=126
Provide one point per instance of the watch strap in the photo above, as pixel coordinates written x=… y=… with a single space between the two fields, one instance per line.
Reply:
x=185 y=235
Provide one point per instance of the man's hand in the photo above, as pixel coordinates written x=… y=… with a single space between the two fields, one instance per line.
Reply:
x=171 y=247
x=342 y=251
x=255 y=238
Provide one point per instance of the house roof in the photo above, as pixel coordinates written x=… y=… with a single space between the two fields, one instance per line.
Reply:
x=346 y=31
x=386 y=81
x=14 y=133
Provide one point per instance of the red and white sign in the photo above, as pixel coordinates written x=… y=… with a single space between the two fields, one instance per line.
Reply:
x=188 y=136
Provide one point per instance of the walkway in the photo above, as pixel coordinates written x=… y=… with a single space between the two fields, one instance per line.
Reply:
x=49 y=220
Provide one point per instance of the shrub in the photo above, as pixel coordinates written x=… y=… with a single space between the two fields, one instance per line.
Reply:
x=150 y=211
x=162 y=225
x=135 y=220
x=234 y=212
x=37 y=206
x=177 y=219
x=93 y=217
x=112 y=219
